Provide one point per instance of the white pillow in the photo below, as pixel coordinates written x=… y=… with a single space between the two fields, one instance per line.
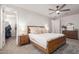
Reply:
x=32 y=30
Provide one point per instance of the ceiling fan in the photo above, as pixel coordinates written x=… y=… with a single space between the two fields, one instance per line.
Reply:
x=59 y=9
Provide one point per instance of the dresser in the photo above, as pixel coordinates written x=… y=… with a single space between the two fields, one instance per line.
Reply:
x=71 y=34
x=24 y=39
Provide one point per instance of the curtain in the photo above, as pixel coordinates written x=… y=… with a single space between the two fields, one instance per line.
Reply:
x=56 y=26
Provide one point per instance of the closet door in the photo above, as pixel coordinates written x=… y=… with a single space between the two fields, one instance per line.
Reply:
x=56 y=26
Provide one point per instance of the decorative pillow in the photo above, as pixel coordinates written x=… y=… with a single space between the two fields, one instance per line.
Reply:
x=35 y=30
x=43 y=30
x=32 y=30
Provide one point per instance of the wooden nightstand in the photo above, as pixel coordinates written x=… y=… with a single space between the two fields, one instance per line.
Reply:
x=24 y=39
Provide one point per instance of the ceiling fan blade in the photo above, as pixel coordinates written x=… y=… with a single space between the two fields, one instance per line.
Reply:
x=65 y=10
x=62 y=6
x=51 y=12
x=51 y=9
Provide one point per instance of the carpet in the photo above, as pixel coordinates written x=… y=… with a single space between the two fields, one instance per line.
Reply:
x=71 y=47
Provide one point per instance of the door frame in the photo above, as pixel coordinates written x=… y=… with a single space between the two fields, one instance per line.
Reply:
x=2 y=26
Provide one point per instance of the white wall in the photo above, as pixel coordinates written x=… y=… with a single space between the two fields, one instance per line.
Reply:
x=27 y=18
x=71 y=19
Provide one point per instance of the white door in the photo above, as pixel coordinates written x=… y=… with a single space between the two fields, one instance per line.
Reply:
x=56 y=26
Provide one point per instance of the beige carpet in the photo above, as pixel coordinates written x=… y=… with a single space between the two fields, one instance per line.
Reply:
x=72 y=47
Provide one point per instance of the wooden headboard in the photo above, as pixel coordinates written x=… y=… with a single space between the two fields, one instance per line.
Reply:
x=28 y=28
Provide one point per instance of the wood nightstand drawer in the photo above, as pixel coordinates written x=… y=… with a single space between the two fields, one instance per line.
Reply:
x=24 y=39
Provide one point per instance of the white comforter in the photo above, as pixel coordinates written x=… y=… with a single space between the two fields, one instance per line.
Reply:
x=41 y=39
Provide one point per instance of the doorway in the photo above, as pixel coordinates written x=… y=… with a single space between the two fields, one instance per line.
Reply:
x=9 y=25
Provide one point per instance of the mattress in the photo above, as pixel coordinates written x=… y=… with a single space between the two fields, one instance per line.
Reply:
x=42 y=39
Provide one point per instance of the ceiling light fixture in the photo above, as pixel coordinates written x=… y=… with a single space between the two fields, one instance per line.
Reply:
x=57 y=12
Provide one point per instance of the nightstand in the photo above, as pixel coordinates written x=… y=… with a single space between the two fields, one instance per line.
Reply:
x=24 y=39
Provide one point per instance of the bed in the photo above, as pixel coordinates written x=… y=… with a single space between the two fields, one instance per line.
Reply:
x=46 y=42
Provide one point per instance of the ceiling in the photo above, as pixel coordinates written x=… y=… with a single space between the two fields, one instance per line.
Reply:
x=42 y=9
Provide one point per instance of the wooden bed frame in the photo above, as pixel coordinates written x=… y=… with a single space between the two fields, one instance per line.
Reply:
x=52 y=44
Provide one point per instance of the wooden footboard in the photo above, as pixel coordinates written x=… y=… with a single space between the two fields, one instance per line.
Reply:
x=52 y=45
